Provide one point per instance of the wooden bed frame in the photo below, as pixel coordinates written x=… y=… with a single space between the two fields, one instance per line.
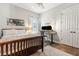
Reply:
x=21 y=47
x=26 y=46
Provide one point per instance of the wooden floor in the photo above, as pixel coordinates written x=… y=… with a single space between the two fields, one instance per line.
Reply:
x=66 y=48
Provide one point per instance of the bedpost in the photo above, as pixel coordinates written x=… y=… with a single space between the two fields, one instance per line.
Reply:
x=42 y=44
x=1 y=49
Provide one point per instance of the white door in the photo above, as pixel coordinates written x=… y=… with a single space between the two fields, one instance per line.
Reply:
x=77 y=27
x=74 y=29
x=70 y=26
x=76 y=21
x=66 y=27
x=63 y=29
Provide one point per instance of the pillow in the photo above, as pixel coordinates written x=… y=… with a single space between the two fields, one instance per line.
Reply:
x=9 y=32
x=18 y=32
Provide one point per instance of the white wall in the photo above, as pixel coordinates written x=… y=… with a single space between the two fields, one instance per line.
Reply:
x=11 y=11
x=47 y=18
x=4 y=13
x=20 y=13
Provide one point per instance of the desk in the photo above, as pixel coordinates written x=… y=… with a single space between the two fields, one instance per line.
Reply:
x=49 y=32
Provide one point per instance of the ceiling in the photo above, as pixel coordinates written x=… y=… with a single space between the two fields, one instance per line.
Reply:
x=37 y=7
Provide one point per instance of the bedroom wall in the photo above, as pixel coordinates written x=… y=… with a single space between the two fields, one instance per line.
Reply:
x=52 y=17
x=12 y=11
x=20 y=13
x=4 y=13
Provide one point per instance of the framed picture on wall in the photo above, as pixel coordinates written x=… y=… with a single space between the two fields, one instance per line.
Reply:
x=15 y=22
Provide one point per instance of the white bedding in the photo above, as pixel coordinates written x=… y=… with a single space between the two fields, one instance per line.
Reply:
x=15 y=34
x=19 y=36
x=12 y=36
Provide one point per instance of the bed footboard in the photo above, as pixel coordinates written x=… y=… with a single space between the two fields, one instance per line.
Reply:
x=21 y=47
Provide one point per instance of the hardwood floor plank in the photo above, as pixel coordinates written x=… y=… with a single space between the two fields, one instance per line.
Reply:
x=68 y=49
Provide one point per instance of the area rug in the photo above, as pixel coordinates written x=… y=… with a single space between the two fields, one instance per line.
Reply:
x=51 y=51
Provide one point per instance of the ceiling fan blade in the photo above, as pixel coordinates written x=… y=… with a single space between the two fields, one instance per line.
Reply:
x=40 y=5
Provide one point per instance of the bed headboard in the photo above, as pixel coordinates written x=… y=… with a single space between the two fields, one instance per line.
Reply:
x=12 y=31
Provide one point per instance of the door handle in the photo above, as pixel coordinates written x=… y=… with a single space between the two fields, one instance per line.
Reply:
x=72 y=32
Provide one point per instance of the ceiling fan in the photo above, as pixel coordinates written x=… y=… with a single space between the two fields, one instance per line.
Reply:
x=41 y=5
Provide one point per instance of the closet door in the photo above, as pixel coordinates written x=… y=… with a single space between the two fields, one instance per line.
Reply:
x=70 y=26
x=76 y=44
x=66 y=27
x=74 y=29
x=63 y=28
x=77 y=27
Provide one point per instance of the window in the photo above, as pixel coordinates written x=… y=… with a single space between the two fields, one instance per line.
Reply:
x=34 y=23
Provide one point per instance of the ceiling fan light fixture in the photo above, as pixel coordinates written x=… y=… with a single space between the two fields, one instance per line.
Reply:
x=40 y=5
